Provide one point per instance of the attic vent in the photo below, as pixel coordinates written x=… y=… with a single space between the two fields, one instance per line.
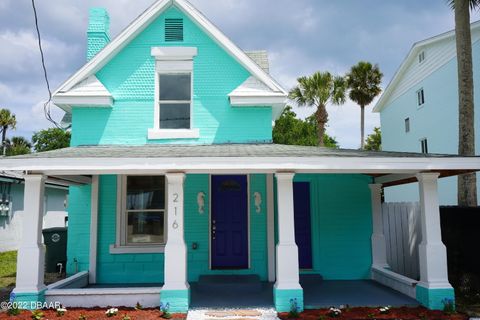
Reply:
x=173 y=30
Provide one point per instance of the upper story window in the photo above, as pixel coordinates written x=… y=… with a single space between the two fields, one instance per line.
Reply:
x=421 y=57
x=173 y=114
x=407 y=125
x=175 y=99
x=424 y=145
x=420 y=97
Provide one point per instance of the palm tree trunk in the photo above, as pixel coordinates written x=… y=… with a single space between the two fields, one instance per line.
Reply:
x=362 y=127
x=322 y=119
x=4 y=136
x=467 y=185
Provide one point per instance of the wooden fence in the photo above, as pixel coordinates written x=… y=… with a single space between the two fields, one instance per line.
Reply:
x=402 y=231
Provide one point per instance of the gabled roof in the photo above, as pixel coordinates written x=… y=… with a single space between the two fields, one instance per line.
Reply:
x=412 y=55
x=147 y=17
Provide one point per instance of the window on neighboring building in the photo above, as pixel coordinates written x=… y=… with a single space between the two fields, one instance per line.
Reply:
x=175 y=100
x=407 y=125
x=421 y=57
x=143 y=217
x=420 y=97
x=424 y=145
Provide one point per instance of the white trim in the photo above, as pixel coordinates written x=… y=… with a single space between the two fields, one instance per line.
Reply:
x=136 y=249
x=138 y=25
x=120 y=246
x=270 y=228
x=159 y=165
x=88 y=101
x=174 y=53
x=80 y=279
x=210 y=222
x=92 y=266
x=256 y=101
x=173 y=133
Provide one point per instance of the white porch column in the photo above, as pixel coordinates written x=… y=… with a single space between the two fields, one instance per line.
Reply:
x=379 y=248
x=176 y=288
x=92 y=269
x=31 y=254
x=434 y=285
x=287 y=286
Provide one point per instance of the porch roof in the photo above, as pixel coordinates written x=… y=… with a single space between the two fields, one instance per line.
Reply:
x=387 y=168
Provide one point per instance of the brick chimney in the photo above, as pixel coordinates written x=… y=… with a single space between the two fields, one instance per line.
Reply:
x=98 y=33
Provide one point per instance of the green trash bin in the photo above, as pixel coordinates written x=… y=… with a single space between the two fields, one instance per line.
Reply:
x=55 y=240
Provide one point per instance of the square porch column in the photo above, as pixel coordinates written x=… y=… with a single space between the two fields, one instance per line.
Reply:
x=433 y=287
x=176 y=290
x=30 y=288
x=379 y=247
x=287 y=289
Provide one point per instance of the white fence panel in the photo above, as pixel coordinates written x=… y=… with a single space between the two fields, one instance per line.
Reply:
x=401 y=226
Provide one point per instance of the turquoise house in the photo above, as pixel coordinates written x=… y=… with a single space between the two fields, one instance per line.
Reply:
x=179 y=196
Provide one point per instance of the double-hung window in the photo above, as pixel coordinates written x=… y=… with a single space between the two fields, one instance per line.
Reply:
x=141 y=216
x=175 y=100
x=173 y=93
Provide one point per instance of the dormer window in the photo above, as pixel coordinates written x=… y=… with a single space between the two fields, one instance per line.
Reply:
x=173 y=93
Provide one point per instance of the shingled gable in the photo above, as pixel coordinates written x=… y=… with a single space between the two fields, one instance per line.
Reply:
x=270 y=86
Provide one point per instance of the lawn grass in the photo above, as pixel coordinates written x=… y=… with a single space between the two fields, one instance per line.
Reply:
x=8 y=268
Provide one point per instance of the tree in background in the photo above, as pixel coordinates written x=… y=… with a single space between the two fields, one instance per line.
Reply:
x=364 y=81
x=51 y=139
x=7 y=120
x=290 y=130
x=467 y=183
x=316 y=91
x=17 y=146
x=374 y=140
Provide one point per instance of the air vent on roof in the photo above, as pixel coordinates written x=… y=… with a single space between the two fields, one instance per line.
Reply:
x=173 y=30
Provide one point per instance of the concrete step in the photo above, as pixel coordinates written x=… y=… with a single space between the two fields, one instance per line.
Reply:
x=233 y=314
x=239 y=283
x=310 y=278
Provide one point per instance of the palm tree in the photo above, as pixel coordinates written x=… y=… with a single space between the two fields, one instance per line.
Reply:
x=17 y=146
x=7 y=120
x=316 y=91
x=467 y=183
x=364 y=81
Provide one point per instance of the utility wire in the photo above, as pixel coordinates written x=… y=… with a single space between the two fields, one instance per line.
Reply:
x=46 y=105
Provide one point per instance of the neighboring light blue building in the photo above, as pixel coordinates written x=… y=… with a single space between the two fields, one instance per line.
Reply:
x=179 y=196
x=419 y=108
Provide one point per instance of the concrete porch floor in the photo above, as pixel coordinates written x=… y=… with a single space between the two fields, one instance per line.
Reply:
x=317 y=294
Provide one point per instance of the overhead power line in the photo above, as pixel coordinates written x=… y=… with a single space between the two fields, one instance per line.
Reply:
x=46 y=105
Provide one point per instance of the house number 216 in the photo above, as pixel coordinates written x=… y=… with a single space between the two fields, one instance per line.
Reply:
x=175 y=200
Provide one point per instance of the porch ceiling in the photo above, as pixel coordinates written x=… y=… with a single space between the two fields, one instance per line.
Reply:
x=392 y=167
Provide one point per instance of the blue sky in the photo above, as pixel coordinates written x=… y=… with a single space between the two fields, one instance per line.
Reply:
x=302 y=36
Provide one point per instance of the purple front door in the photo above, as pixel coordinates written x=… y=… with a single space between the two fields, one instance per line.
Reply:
x=303 y=226
x=229 y=222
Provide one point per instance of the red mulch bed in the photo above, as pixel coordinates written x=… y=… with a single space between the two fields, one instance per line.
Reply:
x=96 y=314
x=374 y=313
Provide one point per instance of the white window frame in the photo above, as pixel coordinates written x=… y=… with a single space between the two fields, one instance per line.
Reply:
x=172 y=60
x=121 y=245
x=420 y=98
x=424 y=145
x=421 y=57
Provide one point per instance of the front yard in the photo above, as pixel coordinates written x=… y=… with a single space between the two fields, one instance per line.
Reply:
x=8 y=268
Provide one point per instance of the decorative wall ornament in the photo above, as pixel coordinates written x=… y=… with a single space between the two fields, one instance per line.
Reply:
x=201 y=202
x=258 y=201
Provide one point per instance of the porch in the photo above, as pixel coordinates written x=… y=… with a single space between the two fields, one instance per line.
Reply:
x=317 y=293
x=354 y=226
